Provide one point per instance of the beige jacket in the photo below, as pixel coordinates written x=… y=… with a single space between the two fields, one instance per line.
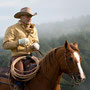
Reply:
x=18 y=31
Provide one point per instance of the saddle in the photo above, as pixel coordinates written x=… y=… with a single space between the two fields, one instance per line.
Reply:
x=29 y=64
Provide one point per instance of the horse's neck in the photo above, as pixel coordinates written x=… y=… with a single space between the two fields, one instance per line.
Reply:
x=50 y=68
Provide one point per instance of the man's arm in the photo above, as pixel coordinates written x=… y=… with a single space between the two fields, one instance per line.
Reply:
x=9 y=39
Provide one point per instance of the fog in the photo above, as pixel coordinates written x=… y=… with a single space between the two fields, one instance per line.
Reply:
x=48 y=10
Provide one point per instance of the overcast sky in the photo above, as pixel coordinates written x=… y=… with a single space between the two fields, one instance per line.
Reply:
x=48 y=10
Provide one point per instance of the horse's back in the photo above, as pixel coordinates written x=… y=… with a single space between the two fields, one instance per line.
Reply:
x=4 y=70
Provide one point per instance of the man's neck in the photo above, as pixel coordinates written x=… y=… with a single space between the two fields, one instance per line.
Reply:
x=25 y=25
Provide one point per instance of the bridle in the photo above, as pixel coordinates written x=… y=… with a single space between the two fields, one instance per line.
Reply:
x=70 y=71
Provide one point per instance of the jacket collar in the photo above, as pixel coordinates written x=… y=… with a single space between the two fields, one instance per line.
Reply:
x=29 y=28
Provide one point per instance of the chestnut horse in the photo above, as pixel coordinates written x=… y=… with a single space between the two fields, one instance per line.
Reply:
x=59 y=60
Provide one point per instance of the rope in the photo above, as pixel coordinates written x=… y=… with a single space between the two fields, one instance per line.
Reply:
x=26 y=75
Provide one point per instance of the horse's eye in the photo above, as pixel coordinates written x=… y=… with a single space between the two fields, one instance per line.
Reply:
x=71 y=59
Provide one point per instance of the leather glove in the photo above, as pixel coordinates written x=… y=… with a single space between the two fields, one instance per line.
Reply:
x=23 y=41
x=35 y=46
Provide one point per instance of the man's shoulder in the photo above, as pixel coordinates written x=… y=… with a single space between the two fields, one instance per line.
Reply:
x=13 y=26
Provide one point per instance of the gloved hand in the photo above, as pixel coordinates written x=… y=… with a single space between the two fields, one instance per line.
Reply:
x=35 y=46
x=23 y=41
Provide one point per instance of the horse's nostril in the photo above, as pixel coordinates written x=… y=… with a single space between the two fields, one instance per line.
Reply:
x=83 y=79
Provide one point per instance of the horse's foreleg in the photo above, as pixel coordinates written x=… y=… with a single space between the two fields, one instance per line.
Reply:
x=58 y=83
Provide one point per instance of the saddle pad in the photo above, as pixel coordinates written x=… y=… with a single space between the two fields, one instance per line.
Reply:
x=4 y=79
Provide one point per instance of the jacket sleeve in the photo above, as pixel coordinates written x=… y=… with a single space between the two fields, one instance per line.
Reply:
x=9 y=41
x=36 y=35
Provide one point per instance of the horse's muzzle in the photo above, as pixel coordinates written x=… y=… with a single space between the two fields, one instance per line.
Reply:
x=78 y=79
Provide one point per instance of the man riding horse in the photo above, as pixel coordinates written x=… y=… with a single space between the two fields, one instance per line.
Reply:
x=21 y=38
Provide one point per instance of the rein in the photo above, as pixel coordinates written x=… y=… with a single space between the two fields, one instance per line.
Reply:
x=39 y=53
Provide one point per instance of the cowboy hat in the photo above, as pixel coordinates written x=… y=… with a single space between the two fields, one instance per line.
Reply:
x=24 y=11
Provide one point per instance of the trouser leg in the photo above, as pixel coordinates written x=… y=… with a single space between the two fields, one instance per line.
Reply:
x=20 y=66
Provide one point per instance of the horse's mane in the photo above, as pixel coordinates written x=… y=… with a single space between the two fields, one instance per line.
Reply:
x=49 y=59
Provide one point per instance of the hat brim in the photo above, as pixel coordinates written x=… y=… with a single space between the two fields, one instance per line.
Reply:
x=19 y=14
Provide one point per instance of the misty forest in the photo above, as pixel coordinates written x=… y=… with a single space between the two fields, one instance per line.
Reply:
x=53 y=35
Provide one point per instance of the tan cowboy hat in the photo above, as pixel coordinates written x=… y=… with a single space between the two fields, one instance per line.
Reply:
x=24 y=11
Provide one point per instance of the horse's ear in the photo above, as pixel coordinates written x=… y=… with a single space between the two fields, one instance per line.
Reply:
x=75 y=44
x=66 y=45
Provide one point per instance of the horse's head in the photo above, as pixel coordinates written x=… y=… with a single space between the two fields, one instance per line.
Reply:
x=70 y=62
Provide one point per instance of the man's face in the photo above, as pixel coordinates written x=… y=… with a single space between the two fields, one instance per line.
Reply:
x=26 y=19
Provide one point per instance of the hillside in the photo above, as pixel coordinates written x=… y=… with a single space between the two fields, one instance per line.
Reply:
x=57 y=29
x=54 y=34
